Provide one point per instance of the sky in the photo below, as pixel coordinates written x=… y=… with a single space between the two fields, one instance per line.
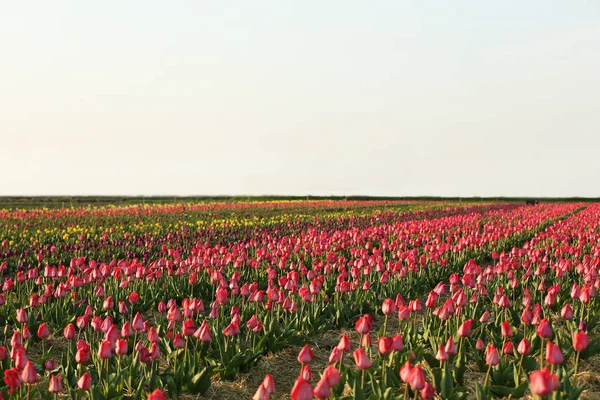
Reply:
x=386 y=98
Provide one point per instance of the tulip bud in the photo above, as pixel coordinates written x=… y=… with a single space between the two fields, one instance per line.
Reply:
x=49 y=365
x=29 y=375
x=491 y=357
x=385 y=345
x=55 y=384
x=566 y=313
x=543 y=382
x=441 y=354
x=465 y=328
x=553 y=354
x=580 y=341
x=306 y=355
x=416 y=379
x=361 y=359
x=105 y=350
x=121 y=347
x=524 y=346
x=506 y=329
x=479 y=344
x=405 y=371
x=544 y=330
x=157 y=395
x=301 y=390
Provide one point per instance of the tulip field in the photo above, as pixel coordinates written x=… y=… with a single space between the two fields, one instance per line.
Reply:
x=364 y=299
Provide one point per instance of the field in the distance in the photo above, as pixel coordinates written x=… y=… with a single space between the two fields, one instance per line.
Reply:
x=325 y=298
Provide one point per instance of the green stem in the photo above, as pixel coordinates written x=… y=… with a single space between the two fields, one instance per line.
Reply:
x=487 y=376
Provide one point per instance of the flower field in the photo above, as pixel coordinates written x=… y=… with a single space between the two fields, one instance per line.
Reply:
x=373 y=300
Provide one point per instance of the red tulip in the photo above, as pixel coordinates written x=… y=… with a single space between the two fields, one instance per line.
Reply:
x=506 y=329
x=335 y=356
x=365 y=341
x=153 y=335
x=388 y=307
x=508 y=348
x=203 y=333
x=451 y=346
x=55 y=384
x=108 y=303
x=428 y=392
x=105 y=350
x=138 y=322
x=69 y=332
x=566 y=313
x=580 y=341
x=154 y=351
x=465 y=328
x=269 y=383
x=416 y=379
x=544 y=330
x=29 y=375
x=43 y=331
x=306 y=372
x=123 y=308
x=49 y=365
x=332 y=375
x=26 y=333
x=344 y=344
x=553 y=354
x=397 y=345
x=485 y=317
x=121 y=347
x=361 y=359
x=403 y=313
x=543 y=382
x=491 y=357
x=385 y=345
x=524 y=346
x=12 y=379
x=231 y=330
x=22 y=316
x=479 y=344
x=85 y=382
x=306 y=355
x=157 y=395
x=527 y=316
x=441 y=354
x=322 y=389
x=363 y=325
x=134 y=298
x=301 y=390
x=261 y=393
x=83 y=354
x=252 y=322
x=405 y=371
x=188 y=327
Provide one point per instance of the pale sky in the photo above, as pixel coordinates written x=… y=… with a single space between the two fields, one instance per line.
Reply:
x=449 y=98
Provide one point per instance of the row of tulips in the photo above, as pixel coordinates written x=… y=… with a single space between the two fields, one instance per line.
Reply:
x=121 y=328
x=520 y=325
x=56 y=236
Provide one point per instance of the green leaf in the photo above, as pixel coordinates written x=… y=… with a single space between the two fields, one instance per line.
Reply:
x=575 y=392
x=520 y=390
x=447 y=382
x=503 y=391
x=200 y=382
x=480 y=392
x=516 y=375
x=358 y=391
